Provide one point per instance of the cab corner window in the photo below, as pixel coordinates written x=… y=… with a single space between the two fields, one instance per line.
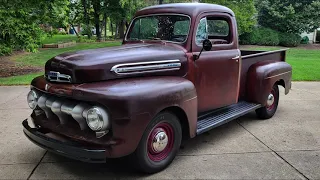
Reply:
x=216 y=30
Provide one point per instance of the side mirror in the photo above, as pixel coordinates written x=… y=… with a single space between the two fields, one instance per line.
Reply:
x=206 y=45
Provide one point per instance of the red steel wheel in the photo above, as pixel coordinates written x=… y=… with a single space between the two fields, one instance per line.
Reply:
x=271 y=100
x=270 y=109
x=159 y=144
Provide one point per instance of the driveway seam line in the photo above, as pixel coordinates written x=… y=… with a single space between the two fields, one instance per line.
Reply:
x=34 y=169
x=217 y=154
x=273 y=151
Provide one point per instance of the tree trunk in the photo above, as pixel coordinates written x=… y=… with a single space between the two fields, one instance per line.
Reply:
x=111 y=27
x=160 y=1
x=74 y=29
x=96 y=8
x=121 y=29
x=117 y=31
x=105 y=26
x=86 y=17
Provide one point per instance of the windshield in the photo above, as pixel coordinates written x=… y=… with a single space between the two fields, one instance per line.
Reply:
x=173 y=28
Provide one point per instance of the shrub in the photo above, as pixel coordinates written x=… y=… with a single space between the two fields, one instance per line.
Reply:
x=18 y=34
x=5 y=49
x=289 y=39
x=305 y=40
x=62 y=33
x=82 y=39
x=261 y=36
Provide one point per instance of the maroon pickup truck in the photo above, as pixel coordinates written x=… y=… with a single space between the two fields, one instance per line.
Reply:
x=178 y=74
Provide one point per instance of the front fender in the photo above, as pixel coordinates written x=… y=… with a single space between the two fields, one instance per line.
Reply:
x=263 y=75
x=133 y=102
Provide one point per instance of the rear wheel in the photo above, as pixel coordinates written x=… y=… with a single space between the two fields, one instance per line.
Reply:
x=159 y=144
x=268 y=111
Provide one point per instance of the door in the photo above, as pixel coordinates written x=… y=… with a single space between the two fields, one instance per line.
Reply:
x=217 y=71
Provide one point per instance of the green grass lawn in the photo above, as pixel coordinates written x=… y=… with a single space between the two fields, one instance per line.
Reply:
x=59 y=39
x=40 y=58
x=305 y=63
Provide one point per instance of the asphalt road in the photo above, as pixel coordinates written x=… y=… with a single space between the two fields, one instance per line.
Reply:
x=285 y=147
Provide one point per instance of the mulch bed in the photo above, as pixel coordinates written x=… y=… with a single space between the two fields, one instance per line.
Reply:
x=10 y=68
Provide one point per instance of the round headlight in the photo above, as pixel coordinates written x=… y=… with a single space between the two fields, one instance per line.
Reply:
x=32 y=99
x=95 y=119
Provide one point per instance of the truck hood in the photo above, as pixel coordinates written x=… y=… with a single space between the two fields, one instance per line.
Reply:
x=117 y=62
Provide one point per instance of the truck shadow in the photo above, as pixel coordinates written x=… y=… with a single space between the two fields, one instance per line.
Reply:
x=123 y=168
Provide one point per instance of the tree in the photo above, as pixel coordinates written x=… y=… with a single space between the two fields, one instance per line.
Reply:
x=97 y=11
x=21 y=22
x=244 y=10
x=86 y=7
x=289 y=16
x=75 y=14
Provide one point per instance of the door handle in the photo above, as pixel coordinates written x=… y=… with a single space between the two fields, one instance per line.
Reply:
x=235 y=58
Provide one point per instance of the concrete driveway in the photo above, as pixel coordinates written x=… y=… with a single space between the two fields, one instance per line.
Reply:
x=285 y=147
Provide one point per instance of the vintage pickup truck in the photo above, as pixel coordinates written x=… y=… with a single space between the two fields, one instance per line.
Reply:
x=178 y=74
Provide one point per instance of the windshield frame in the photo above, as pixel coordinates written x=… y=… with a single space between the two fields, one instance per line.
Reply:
x=160 y=14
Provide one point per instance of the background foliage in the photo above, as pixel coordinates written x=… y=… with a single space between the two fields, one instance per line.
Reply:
x=23 y=22
x=290 y=16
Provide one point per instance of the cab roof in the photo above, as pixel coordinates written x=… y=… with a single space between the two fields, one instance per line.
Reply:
x=190 y=9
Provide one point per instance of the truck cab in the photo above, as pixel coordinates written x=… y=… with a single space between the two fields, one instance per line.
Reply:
x=179 y=73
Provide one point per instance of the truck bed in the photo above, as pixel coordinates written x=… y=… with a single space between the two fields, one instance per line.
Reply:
x=250 y=57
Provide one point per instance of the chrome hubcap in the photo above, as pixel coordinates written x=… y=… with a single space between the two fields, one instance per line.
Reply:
x=160 y=141
x=270 y=100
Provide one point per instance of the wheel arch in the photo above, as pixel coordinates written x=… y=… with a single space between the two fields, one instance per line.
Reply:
x=183 y=119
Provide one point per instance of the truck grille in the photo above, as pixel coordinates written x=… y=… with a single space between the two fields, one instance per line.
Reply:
x=64 y=109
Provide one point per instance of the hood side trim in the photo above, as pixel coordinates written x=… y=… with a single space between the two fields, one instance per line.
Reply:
x=146 y=67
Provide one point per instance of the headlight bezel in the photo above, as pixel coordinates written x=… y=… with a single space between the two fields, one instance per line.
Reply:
x=99 y=119
x=35 y=97
x=102 y=116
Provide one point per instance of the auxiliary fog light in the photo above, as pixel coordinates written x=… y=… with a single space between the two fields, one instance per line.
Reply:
x=97 y=119
x=32 y=99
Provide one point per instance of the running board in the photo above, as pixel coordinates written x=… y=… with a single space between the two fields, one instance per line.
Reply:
x=224 y=115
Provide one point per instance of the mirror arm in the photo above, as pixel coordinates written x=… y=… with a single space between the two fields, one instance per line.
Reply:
x=196 y=57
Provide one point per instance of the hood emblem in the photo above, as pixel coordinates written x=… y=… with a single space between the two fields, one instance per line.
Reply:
x=58 y=77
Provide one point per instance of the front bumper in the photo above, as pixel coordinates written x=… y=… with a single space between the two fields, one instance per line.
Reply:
x=68 y=149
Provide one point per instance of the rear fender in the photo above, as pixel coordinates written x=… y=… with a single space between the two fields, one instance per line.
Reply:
x=263 y=75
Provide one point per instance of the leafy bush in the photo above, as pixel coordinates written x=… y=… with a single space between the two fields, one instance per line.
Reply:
x=261 y=36
x=5 y=49
x=52 y=32
x=17 y=33
x=289 y=39
x=62 y=33
x=305 y=40
x=82 y=39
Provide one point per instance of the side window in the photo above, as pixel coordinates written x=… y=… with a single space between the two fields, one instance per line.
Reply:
x=202 y=33
x=217 y=30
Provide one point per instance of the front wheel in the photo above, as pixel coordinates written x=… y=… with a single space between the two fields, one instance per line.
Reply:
x=268 y=111
x=159 y=144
